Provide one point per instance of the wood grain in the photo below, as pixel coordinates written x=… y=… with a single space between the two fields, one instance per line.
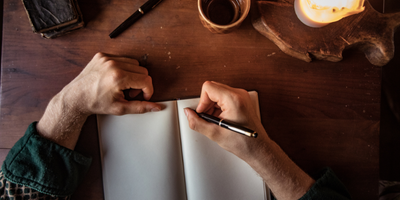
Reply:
x=325 y=137
x=305 y=107
x=389 y=135
x=3 y=154
x=369 y=31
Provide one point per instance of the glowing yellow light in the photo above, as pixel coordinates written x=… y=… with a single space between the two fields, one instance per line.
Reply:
x=317 y=13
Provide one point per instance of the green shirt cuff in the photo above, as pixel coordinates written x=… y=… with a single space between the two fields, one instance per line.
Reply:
x=327 y=186
x=44 y=166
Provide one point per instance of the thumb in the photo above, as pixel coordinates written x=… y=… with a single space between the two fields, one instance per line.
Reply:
x=202 y=126
x=137 y=107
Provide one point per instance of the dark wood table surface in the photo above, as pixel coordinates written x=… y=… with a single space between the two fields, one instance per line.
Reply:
x=321 y=113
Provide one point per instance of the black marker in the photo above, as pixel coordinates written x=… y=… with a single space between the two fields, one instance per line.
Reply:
x=228 y=125
x=134 y=17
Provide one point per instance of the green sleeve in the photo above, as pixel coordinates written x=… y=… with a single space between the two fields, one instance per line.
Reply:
x=44 y=166
x=327 y=186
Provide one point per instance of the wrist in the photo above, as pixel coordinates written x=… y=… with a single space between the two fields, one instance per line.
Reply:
x=72 y=101
x=263 y=149
x=285 y=179
x=252 y=150
x=62 y=120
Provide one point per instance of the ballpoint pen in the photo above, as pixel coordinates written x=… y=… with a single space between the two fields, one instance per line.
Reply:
x=228 y=125
x=145 y=8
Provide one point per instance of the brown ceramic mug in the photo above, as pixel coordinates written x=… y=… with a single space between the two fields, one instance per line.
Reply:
x=223 y=16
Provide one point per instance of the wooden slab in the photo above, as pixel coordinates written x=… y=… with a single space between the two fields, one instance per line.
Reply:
x=303 y=105
x=329 y=139
x=369 y=31
x=3 y=155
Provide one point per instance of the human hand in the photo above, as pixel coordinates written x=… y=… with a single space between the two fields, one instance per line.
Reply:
x=98 y=89
x=230 y=104
x=282 y=175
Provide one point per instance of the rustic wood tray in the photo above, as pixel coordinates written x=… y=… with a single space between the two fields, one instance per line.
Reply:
x=370 y=31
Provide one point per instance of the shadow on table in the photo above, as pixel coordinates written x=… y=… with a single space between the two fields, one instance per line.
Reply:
x=389 y=154
x=1 y=36
x=91 y=8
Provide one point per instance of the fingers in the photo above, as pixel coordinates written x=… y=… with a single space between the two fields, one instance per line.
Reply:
x=205 y=102
x=107 y=56
x=212 y=94
x=99 y=87
x=198 y=124
x=126 y=60
x=138 y=81
x=124 y=63
x=134 y=107
x=129 y=80
x=126 y=74
x=129 y=67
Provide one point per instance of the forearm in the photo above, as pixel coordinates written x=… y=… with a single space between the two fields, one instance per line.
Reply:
x=43 y=158
x=282 y=175
x=62 y=120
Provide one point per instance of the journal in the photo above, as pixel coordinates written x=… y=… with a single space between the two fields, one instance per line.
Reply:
x=157 y=156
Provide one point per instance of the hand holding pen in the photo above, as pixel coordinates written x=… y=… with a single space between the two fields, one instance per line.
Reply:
x=280 y=173
x=232 y=105
x=228 y=125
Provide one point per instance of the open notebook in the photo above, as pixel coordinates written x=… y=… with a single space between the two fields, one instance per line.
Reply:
x=157 y=156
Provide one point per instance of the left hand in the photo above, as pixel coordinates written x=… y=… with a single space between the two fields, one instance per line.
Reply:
x=98 y=89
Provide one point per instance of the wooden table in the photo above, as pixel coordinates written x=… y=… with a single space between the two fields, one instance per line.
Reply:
x=321 y=113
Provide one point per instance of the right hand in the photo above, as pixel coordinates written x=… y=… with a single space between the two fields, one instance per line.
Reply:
x=282 y=175
x=231 y=104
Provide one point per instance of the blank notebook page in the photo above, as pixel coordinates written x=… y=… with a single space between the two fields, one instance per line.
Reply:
x=211 y=172
x=141 y=155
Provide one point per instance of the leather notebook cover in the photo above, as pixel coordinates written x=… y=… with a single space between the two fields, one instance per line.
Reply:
x=46 y=15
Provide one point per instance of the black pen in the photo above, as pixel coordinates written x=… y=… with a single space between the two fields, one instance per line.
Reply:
x=228 y=125
x=134 y=17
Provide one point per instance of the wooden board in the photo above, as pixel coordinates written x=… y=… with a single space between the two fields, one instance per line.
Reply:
x=321 y=113
x=3 y=154
x=369 y=31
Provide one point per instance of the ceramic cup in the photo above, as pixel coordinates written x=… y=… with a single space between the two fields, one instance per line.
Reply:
x=223 y=16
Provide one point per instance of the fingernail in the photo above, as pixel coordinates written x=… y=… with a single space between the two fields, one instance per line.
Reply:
x=186 y=112
x=155 y=109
